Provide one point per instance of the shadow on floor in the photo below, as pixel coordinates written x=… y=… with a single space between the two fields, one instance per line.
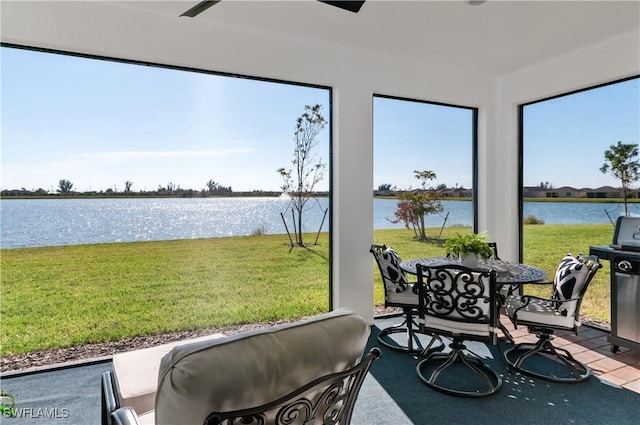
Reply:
x=391 y=395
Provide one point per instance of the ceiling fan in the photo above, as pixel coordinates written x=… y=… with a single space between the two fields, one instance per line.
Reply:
x=351 y=6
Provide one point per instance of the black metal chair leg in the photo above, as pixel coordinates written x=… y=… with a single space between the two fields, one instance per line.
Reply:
x=413 y=343
x=579 y=371
x=491 y=380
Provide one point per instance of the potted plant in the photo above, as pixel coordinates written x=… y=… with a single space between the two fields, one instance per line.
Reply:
x=469 y=247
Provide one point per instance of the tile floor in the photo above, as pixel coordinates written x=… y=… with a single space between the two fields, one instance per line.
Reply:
x=591 y=347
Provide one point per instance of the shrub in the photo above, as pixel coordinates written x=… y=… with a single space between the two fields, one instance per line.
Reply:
x=259 y=231
x=532 y=219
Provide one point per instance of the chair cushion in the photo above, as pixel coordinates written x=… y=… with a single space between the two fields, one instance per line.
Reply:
x=148 y=418
x=406 y=297
x=538 y=311
x=136 y=373
x=454 y=328
x=570 y=279
x=254 y=368
x=393 y=276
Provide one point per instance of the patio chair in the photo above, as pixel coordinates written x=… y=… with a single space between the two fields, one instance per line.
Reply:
x=400 y=293
x=311 y=368
x=461 y=304
x=543 y=316
x=494 y=247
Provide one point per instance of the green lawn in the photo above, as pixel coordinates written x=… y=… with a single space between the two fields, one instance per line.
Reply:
x=67 y=296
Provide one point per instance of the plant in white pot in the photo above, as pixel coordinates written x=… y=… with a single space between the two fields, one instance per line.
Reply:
x=469 y=247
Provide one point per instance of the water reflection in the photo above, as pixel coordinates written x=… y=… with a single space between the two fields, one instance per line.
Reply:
x=44 y=222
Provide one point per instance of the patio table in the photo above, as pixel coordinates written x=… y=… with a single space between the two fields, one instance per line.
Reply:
x=508 y=274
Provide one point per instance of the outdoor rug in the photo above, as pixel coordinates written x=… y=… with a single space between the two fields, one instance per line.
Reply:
x=68 y=396
x=394 y=394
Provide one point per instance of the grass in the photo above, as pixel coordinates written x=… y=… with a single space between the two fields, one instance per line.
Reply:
x=67 y=296
x=73 y=295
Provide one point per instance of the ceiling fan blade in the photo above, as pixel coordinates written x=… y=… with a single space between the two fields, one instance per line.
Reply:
x=351 y=6
x=199 y=8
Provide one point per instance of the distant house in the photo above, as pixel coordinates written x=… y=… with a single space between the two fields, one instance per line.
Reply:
x=606 y=192
x=602 y=192
x=457 y=192
x=538 y=192
x=569 y=192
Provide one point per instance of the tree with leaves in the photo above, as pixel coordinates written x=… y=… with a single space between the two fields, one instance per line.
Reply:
x=414 y=206
x=621 y=161
x=127 y=186
x=308 y=169
x=64 y=186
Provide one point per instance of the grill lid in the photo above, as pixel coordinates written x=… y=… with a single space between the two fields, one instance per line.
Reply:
x=626 y=236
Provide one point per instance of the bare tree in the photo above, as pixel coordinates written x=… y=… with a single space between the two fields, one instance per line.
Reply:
x=127 y=186
x=621 y=161
x=308 y=170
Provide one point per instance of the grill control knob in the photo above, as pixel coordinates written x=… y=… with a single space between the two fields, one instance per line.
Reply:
x=624 y=266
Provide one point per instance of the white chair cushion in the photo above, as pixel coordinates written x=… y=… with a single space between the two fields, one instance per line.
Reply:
x=538 y=311
x=137 y=373
x=148 y=418
x=407 y=296
x=457 y=328
x=254 y=368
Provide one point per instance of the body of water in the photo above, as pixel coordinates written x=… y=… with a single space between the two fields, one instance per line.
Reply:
x=48 y=222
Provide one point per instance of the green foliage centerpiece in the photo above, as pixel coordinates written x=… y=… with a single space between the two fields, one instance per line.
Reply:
x=469 y=247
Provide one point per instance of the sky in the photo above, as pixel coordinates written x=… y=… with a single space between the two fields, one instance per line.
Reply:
x=413 y=136
x=101 y=123
x=565 y=138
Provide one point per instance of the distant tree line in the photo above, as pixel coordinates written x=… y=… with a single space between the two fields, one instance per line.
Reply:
x=213 y=188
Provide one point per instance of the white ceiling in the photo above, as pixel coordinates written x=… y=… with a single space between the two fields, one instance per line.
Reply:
x=495 y=38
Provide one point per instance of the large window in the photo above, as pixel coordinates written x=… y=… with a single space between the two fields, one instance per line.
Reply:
x=412 y=136
x=169 y=174
x=568 y=203
x=564 y=140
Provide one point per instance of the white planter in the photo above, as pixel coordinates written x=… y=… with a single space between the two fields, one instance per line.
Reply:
x=470 y=260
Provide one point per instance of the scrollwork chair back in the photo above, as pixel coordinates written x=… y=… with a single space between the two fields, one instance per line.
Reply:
x=326 y=401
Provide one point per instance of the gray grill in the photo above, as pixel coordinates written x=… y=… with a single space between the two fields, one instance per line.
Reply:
x=624 y=254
